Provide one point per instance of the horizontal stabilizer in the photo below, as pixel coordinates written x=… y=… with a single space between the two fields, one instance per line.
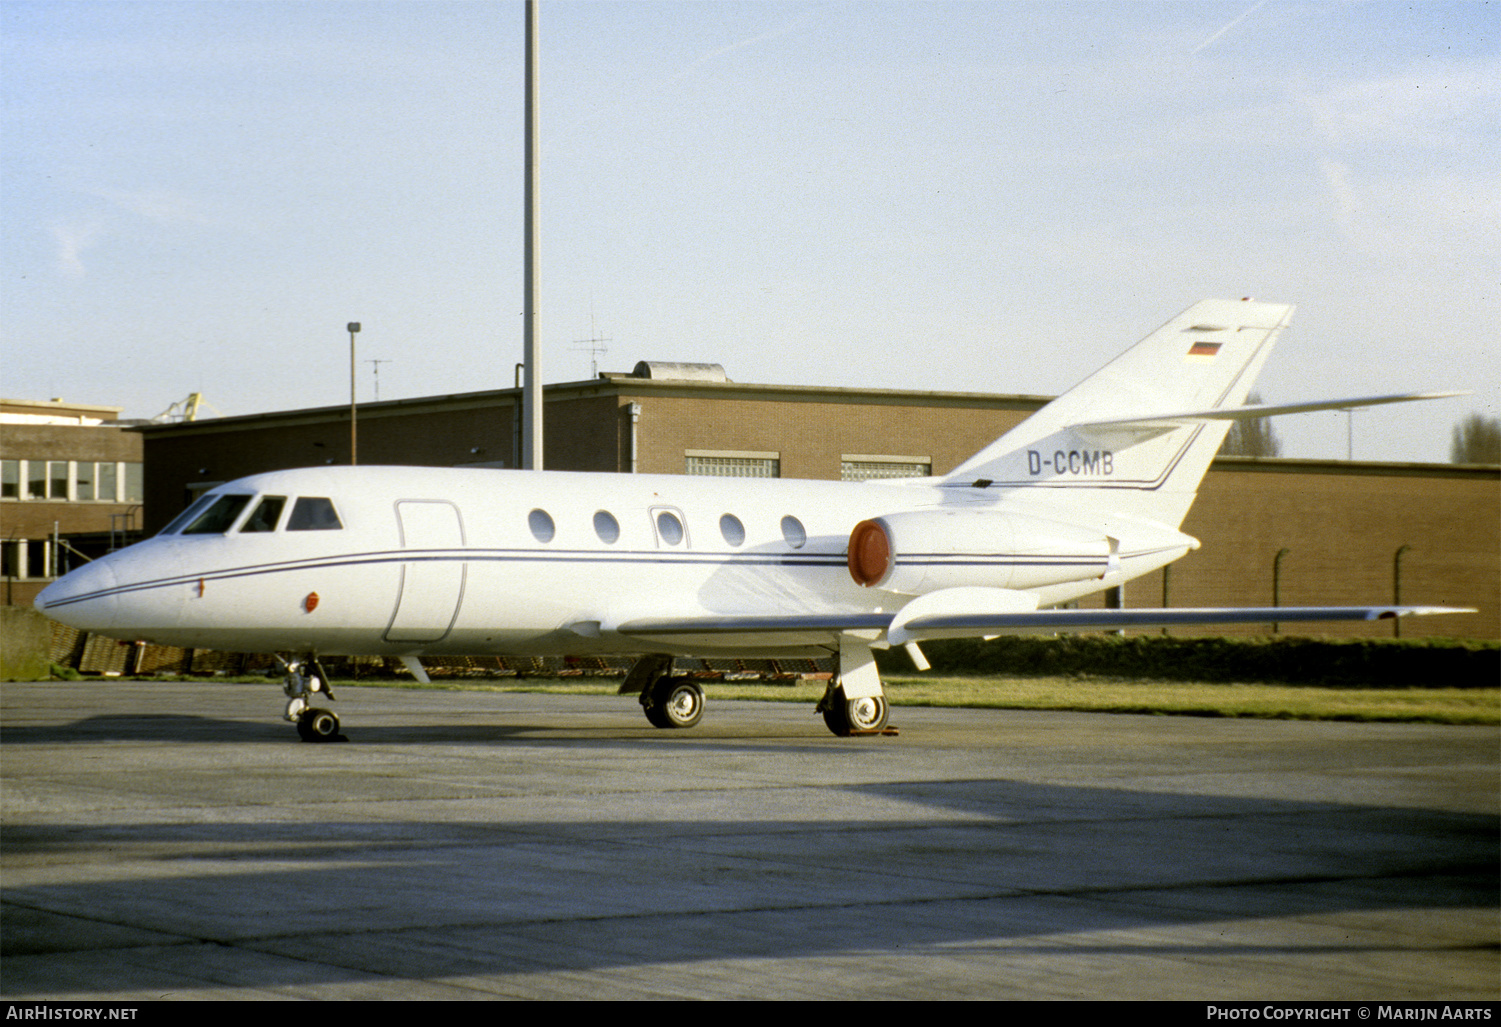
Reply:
x=1122 y=431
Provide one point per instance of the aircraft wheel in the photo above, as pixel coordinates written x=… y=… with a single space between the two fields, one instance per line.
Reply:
x=867 y=714
x=676 y=702
x=844 y=716
x=317 y=725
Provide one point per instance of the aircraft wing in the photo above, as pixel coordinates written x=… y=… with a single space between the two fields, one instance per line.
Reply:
x=807 y=628
x=958 y=625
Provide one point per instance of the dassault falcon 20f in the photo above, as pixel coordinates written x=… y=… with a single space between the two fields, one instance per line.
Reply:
x=1084 y=495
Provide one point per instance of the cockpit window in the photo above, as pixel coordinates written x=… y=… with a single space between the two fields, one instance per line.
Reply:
x=187 y=515
x=265 y=515
x=219 y=517
x=313 y=513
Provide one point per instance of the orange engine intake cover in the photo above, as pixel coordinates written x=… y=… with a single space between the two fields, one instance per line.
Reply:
x=870 y=553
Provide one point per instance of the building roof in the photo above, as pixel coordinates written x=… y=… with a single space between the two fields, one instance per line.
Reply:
x=55 y=411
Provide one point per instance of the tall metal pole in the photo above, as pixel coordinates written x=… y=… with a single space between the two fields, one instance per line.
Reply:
x=531 y=398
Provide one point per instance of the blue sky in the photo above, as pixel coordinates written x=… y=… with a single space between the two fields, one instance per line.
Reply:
x=980 y=196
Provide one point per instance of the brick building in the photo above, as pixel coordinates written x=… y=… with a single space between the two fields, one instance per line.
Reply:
x=68 y=471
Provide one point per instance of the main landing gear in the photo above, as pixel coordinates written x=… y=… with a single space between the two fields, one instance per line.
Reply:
x=305 y=680
x=669 y=702
x=678 y=702
x=855 y=702
x=865 y=715
x=674 y=702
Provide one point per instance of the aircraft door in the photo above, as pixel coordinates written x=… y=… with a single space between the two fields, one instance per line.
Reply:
x=431 y=587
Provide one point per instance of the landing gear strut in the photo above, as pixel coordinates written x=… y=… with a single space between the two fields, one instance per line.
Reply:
x=305 y=680
x=855 y=701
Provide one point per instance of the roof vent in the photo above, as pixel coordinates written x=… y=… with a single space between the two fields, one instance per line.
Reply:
x=670 y=371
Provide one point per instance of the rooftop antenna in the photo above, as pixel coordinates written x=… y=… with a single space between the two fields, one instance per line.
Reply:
x=1350 y=413
x=375 y=370
x=594 y=346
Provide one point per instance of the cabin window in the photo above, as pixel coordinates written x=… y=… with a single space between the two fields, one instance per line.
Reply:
x=669 y=528
x=219 y=517
x=792 y=531
x=606 y=527
x=732 y=530
x=265 y=515
x=314 y=513
x=540 y=521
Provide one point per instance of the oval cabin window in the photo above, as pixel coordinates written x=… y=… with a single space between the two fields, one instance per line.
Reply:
x=792 y=531
x=669 y=528
x=732 y=530
x=606 y=527
x=540 y=521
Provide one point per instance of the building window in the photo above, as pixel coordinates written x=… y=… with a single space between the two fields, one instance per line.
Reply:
x=35 y=553
x=733 y=464
x=135 y=483
x=62 y=481
x=865 y=467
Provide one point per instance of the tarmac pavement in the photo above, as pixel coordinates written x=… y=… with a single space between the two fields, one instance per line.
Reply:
x=178 y=841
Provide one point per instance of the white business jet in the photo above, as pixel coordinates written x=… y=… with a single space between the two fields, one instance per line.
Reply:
x=1084 y=495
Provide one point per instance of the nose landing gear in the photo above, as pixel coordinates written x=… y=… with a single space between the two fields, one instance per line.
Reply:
x=304 y=681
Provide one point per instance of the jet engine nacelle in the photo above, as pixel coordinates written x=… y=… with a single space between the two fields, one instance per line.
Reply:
x=922 y=550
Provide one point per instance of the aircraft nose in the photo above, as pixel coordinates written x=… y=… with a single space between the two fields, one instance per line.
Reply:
x=84 y=598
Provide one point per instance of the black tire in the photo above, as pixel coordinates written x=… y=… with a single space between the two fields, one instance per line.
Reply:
x=316 y=725
x=845 y=717
x=675 y=703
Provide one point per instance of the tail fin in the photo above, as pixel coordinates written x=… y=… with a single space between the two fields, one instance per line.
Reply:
x=1112 y=430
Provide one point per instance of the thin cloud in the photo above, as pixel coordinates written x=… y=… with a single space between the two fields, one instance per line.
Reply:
x=1258 y=5
x=157 y=205
x=72 y=241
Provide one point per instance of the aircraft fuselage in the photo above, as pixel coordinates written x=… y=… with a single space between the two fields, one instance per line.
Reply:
x=480 y=561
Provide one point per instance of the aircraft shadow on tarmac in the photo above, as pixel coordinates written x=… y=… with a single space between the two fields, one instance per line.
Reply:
x=997 y=860
x=616 y=725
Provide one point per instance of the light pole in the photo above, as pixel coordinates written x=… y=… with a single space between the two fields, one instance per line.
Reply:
x=354 y=329
x=531 y=397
